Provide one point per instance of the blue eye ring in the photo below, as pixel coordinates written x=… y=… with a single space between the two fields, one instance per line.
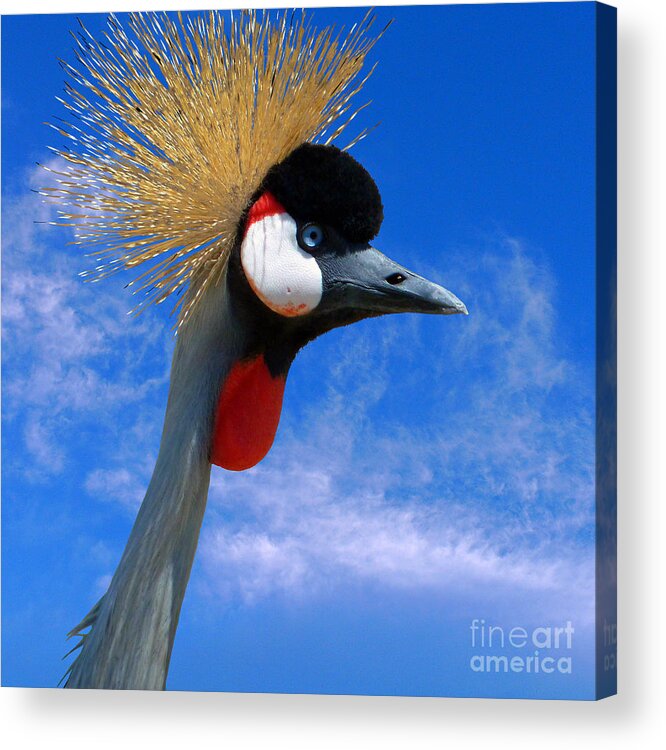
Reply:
x=310 y=236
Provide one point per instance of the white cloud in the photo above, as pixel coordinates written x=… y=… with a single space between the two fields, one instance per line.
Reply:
x=70 y=352
x=41 y=446
x=117 y=485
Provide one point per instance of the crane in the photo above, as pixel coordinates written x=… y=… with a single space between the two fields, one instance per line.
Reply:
x=208 y=157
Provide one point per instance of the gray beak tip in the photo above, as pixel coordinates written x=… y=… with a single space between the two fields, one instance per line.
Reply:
x=450 y=304
x=455 y=310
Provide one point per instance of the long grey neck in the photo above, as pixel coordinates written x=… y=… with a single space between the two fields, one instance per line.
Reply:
x=134 y=624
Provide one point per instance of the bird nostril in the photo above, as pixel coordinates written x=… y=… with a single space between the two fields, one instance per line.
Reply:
x=395 y=278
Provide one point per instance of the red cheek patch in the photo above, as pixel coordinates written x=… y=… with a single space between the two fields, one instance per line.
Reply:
x=247 y=417
x=266 y=205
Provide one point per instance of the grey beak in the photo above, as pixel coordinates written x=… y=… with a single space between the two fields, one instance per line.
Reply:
x=368 y=280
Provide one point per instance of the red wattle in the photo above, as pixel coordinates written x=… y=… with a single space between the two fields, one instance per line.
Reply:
x=247 y=416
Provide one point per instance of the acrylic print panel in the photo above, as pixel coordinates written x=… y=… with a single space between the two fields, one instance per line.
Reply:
x=425 y=521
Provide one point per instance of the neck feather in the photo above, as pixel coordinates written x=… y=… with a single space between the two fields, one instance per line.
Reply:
x=134 y=625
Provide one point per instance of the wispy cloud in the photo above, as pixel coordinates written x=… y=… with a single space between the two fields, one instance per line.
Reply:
x=71 y=355
x=119 y=485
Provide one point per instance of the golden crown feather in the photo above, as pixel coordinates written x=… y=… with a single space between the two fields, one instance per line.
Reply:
x=178 y=122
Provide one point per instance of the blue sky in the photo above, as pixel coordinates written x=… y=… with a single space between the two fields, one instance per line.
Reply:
x=427 y=471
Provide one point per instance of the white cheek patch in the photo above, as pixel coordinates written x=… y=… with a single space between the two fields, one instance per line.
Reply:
x=284 y=277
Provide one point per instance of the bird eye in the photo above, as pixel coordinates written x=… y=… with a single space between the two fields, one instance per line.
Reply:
x=310 y=236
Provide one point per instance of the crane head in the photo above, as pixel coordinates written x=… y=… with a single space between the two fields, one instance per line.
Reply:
x=198 y=166
x=306 y=247
x=304 y=264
